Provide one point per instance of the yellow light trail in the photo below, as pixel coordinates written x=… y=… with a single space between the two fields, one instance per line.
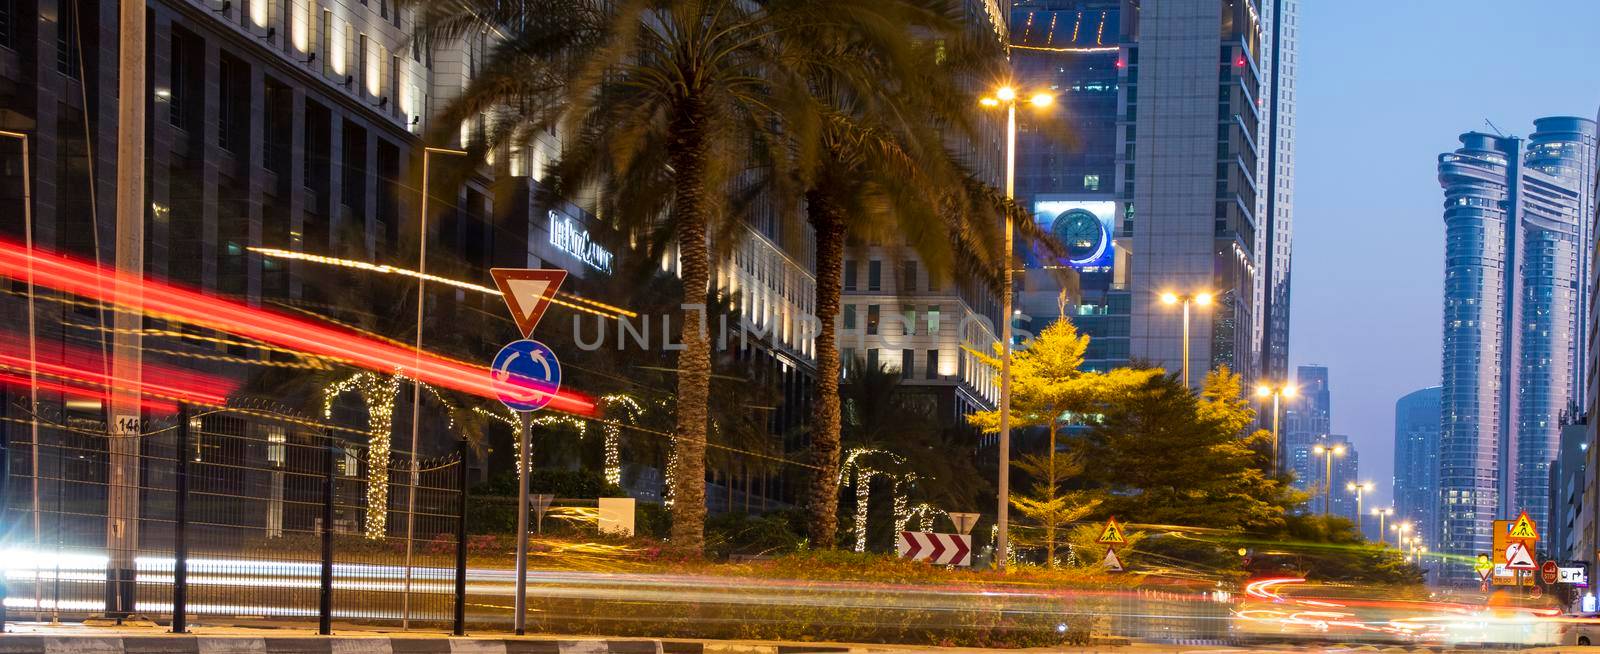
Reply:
x=392 y=270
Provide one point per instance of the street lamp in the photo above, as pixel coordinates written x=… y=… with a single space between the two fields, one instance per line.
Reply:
x=1382 y=513
x=1007 y=95
x=1202 y=299
x=416 y=385
x=1402 y=533
x=1359 y=490
x=1327 y=454
x=33 y=355
x=1276 y=392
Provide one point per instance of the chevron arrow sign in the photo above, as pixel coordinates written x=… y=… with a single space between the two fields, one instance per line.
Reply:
x=939 y=549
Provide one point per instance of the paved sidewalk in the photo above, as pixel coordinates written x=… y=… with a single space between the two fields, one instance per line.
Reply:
x=74 y=638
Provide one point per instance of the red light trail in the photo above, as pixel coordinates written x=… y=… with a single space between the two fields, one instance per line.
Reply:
x=107 y=285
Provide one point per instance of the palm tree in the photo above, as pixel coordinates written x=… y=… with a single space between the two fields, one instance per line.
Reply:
x=889 y=107
x=664 y=106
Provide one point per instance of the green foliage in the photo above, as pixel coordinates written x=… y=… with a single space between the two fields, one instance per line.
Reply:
x=564 y=484
x=1045 y=506
x=742 y=534
x=1165 y=456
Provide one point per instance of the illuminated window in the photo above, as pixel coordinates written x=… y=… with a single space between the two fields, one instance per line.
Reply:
x=1091 y=182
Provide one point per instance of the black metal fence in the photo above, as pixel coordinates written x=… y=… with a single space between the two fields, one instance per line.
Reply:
x=233 y=513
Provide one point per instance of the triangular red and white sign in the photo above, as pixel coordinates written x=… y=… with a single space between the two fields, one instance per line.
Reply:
x=1518 y=558
x=527 y=293
x=1112 y=562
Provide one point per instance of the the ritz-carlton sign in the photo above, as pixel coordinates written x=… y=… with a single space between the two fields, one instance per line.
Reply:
x=569 y=237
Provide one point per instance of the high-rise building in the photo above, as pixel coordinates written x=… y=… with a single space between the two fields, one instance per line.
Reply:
x=1565 y=534
x=1113 y=172
x=1279 y=54
x=1308 y=418
x=1518 y=244
x=1416 y=461
x=1067 y=166
x=1188 y=57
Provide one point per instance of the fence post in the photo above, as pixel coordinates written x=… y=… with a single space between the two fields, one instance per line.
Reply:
x=180 y=555
x=325 y=602
x=461 y=539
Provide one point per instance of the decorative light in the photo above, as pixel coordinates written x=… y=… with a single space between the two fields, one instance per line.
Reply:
x=379 y=393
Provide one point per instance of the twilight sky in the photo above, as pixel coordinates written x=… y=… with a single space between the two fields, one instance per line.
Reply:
x=1385 y=86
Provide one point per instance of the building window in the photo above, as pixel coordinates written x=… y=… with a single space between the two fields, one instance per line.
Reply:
x=233 y=108
x=908 y=363
x=933 y=319
x=909 y=313
x=849 y=274
x=8 y=12
x=909 y=276
x=875 y=275
x=872 y=320
x=872 y=360
x=847 y=359
x=931 y=365
x=67 y=62
x=1091 y=182
x=849 y=316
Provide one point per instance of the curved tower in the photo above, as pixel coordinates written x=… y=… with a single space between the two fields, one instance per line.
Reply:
x=1517 y=253
x=1477 y=180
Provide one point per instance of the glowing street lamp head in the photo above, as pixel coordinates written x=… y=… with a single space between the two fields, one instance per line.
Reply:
x=1042 y=99
x=1367 y=486
x=1169 y=298
x=1351 y=486
x=1006 y=94
x=1263 y=391
x=1318 y=450
x=1290 y=391
x=989 y=102
x=1202 y=299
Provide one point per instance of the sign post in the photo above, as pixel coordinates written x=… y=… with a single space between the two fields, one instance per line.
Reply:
x=526 y=375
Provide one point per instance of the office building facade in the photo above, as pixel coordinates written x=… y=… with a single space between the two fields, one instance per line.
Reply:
x=1416 y=461
x=1157 y=95
x=1518 y=243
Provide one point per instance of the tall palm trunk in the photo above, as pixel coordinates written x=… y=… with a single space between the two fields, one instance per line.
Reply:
x=827 y=218
x=688 y=154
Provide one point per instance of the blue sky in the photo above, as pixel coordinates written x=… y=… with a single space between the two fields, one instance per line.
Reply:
x=1384 y=87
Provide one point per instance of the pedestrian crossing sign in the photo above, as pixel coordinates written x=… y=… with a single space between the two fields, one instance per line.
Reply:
x=1112 y=534
x=1524 y=529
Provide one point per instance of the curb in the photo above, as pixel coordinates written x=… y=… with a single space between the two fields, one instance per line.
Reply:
x=193 y=644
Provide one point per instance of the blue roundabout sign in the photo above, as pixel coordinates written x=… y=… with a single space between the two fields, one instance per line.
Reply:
x=527 y=375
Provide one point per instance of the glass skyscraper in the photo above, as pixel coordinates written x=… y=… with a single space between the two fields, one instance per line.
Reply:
x=1416 y=462
x=1517 y=248
x=1309 y=418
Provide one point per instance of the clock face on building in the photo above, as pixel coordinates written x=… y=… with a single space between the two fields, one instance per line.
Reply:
x=1082 y=233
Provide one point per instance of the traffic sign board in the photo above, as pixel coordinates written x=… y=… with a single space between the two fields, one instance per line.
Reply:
x=526 y=375
x=1519 y=558
x=1112 y=533
x=1524 y=529
x=1112 y=562
x=1484 y=566
x=940 y=549
x=1550 y=572
x=527 y=293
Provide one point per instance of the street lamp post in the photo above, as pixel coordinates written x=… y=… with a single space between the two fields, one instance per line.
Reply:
x=416 y=386
x=1359 y=489
x=1382 y=514
x=33 y=359
x=1327 y=454
x=1402 y=534
x=1276 y=392
x=1006 y=95
x=1200 y=299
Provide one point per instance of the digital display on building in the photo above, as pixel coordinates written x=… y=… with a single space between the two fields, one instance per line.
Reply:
x=1084 y=226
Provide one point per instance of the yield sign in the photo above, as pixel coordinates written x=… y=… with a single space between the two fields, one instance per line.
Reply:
x=527 y=293
x=1518 y=558
x=1524 y=529
x=1112 y=562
